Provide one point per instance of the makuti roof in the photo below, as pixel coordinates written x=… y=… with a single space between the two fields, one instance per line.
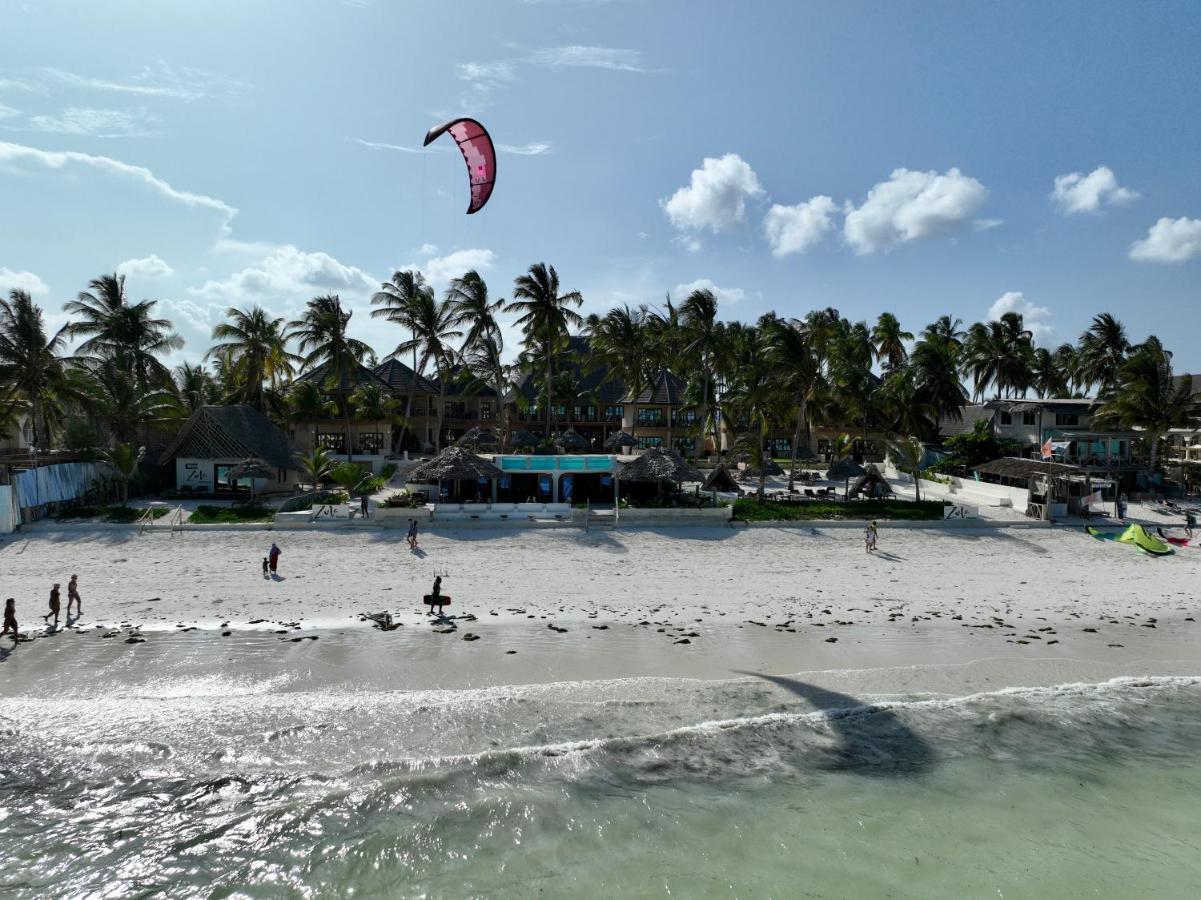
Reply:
x=231 y=432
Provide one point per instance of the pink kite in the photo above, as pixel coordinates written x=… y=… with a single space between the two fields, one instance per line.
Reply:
x=479 y=154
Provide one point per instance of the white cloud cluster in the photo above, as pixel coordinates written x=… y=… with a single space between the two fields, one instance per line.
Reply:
x=158 y=80
x=1034 y=317
x=21 y=281
x=615 y=58
x=794 y=229
x=1169 y=241
x=8 y=112
x=723 y=295
x=152 y=266
x=82 y=120
x=715 y=197
x=912 y=205
x=1080 y=193
x=439 y=270
x=288 y=275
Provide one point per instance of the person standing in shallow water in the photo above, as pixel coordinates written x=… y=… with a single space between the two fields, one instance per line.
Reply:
x=73 y=597
x=55 y=605
x=10 y=619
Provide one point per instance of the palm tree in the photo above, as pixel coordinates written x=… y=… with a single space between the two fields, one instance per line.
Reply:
x=889 y=340
x=935 y=366
x=117 y=405
x=544 y=316
x=907 y=453
x=195 y=386
x=254 y=346
x=1048 y=376
x=398 y=300
x=124 y=462
x=945 y=329
x=372 y=403
x=31 y=368
x=307 y=403
x=1000 y=353
x=1103 y=349
x=433 y=328
x=851 y=377
x=699 y=318
x=905 y=407
x=617 y=343
x=797 y=372
x=1149 y=398
x=127 y=333
x=483 y=344
x=321 y=336
x=315 y=464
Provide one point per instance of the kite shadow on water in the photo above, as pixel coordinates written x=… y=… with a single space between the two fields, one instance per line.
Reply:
x=873 y=741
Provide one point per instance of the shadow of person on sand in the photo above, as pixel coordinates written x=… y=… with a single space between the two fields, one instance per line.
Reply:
x=872 y=740
x=891 y=557
x=275 y=576
x=419 y=553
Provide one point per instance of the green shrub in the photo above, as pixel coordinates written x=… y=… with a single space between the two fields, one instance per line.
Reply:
x=749 y=510
x=116 y=513
x=230 y=515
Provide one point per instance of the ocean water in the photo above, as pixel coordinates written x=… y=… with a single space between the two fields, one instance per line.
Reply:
x=751 y=787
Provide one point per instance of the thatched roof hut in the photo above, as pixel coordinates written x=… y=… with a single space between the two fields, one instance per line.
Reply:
x=658 y=464
x=871 y=483
x=1017 y=469
x=454 y=464
x=770 y=467
x=620 y=439
x=523 y=437
x=844 y=470
x=478 y=437
x=720 y=479
x=570 y=439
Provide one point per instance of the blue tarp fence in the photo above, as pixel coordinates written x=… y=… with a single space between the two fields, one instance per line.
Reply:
x=54 y=484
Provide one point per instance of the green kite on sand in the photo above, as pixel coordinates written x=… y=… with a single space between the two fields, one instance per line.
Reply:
x=1136 y=535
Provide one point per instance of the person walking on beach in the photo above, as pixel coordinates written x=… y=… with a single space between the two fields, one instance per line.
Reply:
x=273 y=558
x=73 y=597
x=10 y=619
x=436 y=595
x=412 y=534
x=871 y=535
x=363 y=506
x=55 y=605
x=1190 y=522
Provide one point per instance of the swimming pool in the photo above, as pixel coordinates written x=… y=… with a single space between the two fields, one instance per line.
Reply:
x=560 y=463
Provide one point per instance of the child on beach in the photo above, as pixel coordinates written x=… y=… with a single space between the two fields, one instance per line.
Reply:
x=73 y=597
x=10 y=618
x=870 y=536
x=412 y=534
x=273 y=559
x=55 y=605
x=265 y=567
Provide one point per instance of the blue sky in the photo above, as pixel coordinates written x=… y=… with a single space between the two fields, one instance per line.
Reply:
x=924 y=158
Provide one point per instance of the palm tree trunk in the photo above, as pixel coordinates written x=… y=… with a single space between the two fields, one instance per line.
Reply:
x=549 y=376
x=441 y=409
x=346 y=419
x=796 y=443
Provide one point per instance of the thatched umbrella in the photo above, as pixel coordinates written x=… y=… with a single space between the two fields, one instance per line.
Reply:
x=620 y=439
x=659 y=465
x=770 y=467
x=249 y=468
x=570 y=439
x=524 y=438
x=454 y=464
x=478 y=437
x=720 y=479
x=868 y=481
x=844 y=470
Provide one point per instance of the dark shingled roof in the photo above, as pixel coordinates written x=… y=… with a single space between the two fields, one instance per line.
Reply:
x=351 y=381
x=949 y=426
x=461 y=381
x=399 y=378
x=453 y=464
x=231 y=432
x=664 y=389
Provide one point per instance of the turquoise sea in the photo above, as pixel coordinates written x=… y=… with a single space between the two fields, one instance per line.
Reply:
x=748 y=787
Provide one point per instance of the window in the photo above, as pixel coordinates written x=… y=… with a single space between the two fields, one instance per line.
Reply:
x=485 y=409
x=1067 y=420
x=1030 y=417
x=371 y=442
x=650 y=417
x=780 y=446
x=333 y=441
x=685 y=446
x=645 y=443
x=614 y=413
x=1006 y=418
x=683 y=417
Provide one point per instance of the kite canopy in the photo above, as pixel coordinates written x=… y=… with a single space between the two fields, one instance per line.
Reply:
x=478 y=152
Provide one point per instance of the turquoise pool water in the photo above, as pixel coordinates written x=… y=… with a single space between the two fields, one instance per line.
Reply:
x=565 y=463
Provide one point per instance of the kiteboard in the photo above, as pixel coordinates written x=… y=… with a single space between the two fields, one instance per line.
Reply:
x=439 y=600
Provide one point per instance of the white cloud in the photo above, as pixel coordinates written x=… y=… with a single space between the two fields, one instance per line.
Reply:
x=912 y=205
x=1078 y=193
x=533 y=148
x=12 y=84
x=1034 y=317
x=287 y=275
x=158 y=80
x=7 y=112
x=22 y=281
x=380 y=145
x=192 y=319
x=151 y=266
x=617 y=59
x=716 y=195
x=439 y=270
x=987 y=224
x=1169 y=241
x=96 y=122
x=61 y=159
x=794 y=229
x=427 y=249
x=723 y=295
